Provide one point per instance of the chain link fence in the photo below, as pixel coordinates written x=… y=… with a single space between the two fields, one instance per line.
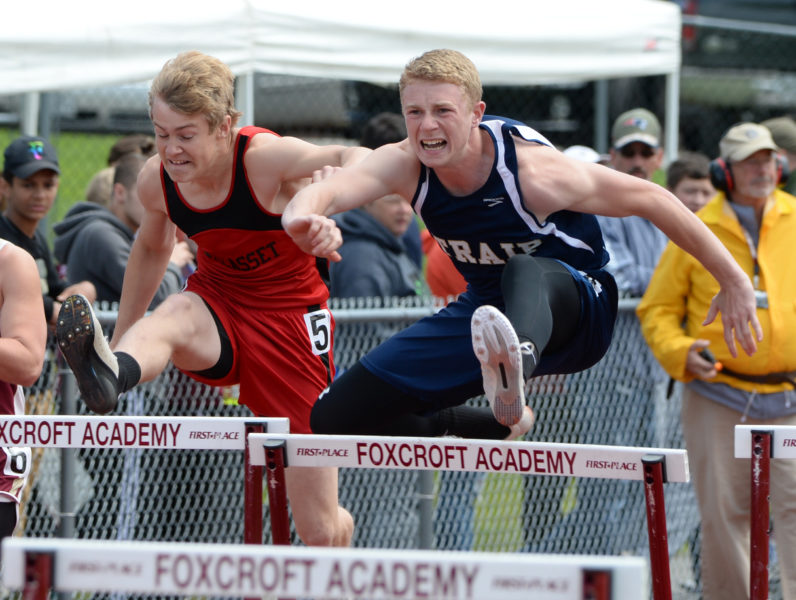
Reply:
x=197 y=496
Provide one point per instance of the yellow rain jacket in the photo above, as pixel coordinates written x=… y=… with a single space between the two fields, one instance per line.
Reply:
x=677 y=299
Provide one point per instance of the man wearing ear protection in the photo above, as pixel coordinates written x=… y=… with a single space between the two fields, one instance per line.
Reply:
x=756 y=222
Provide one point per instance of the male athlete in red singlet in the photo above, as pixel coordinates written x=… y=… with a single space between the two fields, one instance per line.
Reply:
x=254 y=312
x=23 y=338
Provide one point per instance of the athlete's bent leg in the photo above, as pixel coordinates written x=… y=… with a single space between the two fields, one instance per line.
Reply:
x=8 y=518
x=182 y=329
x=542 y=302
x=319 y=519
x=360 y=403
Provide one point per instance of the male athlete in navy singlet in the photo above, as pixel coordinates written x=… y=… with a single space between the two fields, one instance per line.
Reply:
x=516 y=216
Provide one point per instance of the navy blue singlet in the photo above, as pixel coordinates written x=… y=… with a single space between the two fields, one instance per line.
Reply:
x=433 y=359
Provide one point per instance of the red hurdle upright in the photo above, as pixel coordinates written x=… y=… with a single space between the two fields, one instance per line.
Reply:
x=252 y=493
x=654 y=477
x=760 y=514
x=275 y=463
x=38 y=576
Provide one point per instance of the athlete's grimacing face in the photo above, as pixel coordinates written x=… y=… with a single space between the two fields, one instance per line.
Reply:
x=439 y=120
x=185 y=144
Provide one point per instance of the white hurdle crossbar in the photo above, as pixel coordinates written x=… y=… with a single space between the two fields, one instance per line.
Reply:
x=36 y=566
x=169 y=433
x=761 y=443
x=457 y=454
x=652 y=466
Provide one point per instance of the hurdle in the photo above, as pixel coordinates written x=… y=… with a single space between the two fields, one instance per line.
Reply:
x=761 y=443
x=652 y=466
x=38 y=565
x=169 y=433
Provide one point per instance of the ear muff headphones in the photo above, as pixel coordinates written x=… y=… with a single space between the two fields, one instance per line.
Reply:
x=721 y=175
x=722 y=179
x=783 y=169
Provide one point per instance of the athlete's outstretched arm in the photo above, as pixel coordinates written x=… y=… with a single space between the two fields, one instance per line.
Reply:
x=150 y=253
x=391 y=169
x=563 y=183
x=22 y=323
x=274 y=159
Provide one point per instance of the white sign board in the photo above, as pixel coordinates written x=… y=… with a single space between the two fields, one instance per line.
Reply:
x=456 y=454
x=67 y=431
x=299 y=572
x=783 y=440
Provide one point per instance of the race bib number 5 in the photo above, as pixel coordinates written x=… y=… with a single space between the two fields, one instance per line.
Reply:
x=319 y=329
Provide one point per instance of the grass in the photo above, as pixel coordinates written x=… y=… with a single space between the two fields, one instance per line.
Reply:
x=80 y=156
x=499 y=524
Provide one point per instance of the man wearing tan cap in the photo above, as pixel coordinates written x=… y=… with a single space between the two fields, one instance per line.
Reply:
x=756 y=222
x=634 y=243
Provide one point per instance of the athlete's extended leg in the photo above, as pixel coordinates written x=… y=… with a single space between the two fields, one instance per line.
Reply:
x=319 y=519
x=360 y=403
x=181 y=329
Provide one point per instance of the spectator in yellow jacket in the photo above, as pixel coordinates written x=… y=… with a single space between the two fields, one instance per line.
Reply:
x=757 y=223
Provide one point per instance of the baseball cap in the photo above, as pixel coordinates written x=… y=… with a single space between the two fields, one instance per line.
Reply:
x=783 y=130
x=27 y=155
x=583 y=153
x=636 y=125
x=743 y=140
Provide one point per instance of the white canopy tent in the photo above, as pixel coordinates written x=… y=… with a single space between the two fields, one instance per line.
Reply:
x=54 y=45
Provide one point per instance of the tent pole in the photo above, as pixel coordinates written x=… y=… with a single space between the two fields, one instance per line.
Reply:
x=244 y=97
x=671 y=128
x=29 y=121
x=601 y=108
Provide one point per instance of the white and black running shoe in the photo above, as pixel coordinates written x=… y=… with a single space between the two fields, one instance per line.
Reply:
x=88 y=354
x=497 y=348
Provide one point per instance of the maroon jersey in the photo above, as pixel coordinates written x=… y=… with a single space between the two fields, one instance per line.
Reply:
x=14 y=461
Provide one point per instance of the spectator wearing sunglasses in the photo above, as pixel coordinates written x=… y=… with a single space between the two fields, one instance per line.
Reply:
x=634 y=243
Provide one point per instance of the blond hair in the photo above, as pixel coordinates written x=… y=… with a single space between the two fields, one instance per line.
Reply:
x=445 y=66
x=192 y=83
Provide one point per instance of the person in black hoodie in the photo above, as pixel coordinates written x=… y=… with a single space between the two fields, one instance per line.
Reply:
x=94 y=242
